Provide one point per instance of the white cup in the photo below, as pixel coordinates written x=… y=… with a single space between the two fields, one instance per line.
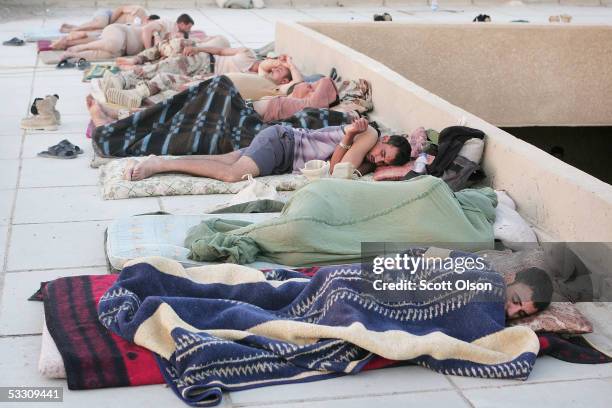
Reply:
x=344 y=170
x=315 y=169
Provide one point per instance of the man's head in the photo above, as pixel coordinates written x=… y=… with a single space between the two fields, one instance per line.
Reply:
x=390 y=151
x=184 y=23
x=529 y=293
x=152 y=17
x=280 y=75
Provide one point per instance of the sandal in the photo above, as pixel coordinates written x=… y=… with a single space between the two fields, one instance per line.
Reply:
x=71 y=146
x=65 y=63
x=58 y=152
x=15 y=42
x=83 y=64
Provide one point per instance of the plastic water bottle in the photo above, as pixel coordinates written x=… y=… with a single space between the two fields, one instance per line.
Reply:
x=434 y=5
x=420 y=163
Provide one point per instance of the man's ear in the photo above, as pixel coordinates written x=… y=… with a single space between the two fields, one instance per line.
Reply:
x=384 y=139
x=509 y=278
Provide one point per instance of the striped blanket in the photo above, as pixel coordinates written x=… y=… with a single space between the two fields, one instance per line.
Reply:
x=208 y=118
x=229 y=327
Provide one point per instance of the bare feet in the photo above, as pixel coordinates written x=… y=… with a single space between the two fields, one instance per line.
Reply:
x=98 y=117
x=77 y=35
x=66 y=28
x=146 y=168
x=60 y=44
x=124 y=61
x=129 y=169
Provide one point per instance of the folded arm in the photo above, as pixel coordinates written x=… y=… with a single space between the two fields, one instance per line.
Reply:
x=360 y=138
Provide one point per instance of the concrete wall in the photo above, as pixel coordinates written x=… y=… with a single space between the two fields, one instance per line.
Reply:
x=562 y=202
x=507 y=74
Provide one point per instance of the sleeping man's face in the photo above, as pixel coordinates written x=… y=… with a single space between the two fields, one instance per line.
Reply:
x=382 y=154
x=519 y=301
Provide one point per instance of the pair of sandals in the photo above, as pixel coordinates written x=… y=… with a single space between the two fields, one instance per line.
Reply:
x=14 y=42
x=482 y=18
x=62 y=150
x=81 y=64
x=383 y=17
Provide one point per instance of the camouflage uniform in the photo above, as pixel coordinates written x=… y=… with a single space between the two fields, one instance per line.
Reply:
x=173 y=62
x=171 y=82
x=167 y=48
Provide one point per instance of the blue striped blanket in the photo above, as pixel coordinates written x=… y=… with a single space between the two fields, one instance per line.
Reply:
x=228 y=327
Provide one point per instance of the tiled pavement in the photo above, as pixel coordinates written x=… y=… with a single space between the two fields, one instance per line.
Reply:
x=52 y=221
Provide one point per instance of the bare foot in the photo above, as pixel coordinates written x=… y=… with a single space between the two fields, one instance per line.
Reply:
x=150 y=166
x=66 y=28
x=98 y=117
x=124 y=61
x=89 y=100
x=60 y=44
x=77 y=35
x=129 y=169
x=66 y=55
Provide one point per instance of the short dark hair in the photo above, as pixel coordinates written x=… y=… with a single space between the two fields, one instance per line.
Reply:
x=185 y=19
x=540 y=284
x=153 y=17
x=403 y=156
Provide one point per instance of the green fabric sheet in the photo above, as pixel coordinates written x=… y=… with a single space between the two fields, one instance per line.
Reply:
x=327 y=220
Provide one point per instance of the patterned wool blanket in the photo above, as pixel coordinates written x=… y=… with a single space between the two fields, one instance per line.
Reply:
x=208 y=118
x=89 y=355
x=228 y=327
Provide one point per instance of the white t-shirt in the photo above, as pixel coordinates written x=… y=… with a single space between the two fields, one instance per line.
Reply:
x=253 y=86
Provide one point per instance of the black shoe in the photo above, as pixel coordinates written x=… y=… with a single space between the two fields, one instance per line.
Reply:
x=15 y=42
x=482 y=18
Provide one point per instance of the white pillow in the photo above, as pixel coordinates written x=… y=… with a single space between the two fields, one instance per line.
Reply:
x=245 y=4
x=509 y=226
x=472 y=150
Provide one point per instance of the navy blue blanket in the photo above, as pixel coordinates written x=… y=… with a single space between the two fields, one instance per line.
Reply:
x=229 y=327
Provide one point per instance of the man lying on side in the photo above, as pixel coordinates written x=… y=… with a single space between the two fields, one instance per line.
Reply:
x=120 y=39
x=270 y=77
x=279 y=149
x=130 y=14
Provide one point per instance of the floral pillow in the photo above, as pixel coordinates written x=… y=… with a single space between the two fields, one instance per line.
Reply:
x=559 y=317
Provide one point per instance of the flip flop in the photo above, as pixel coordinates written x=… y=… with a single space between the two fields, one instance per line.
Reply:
x=83 y=64
x=70 y=146
x=58 y=152
x=15 y=42
x=65 y=63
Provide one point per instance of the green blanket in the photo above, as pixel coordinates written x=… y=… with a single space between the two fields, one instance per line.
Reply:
x=327 y=220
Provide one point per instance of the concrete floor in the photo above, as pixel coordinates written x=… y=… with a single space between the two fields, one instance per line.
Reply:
x=52 y=221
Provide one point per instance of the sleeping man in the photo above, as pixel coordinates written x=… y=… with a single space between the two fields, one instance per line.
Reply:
x=131 y=14
x=527 y=292
x=255 y=79
x=117 y=40
x=280 y=149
